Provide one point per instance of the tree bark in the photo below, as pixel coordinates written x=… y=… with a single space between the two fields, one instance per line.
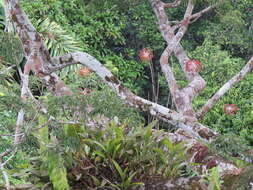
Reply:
x=177 y=119
x=37 y=55
x=226 y=87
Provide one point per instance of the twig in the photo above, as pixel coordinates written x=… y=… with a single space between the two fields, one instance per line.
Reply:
x=45 y=186
x=197 y=15
x=5 y=153
x=152 y=81
x=6 y=161
x=10 y=135
x=7 y=70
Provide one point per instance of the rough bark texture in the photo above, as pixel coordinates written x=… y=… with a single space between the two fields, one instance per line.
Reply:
x=38 y=58
x=182 y=98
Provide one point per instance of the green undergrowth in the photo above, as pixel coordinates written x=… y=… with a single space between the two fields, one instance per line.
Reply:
x=116 y=156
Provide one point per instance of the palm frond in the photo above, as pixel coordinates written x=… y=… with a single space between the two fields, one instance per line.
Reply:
x=11 y=51
x=59 y=41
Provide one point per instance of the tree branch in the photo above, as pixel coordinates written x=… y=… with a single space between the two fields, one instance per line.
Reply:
x=39 y=61
x=156 y=110
x=168 y=32
x=21 y=113
x=194 y=87
x=197 y=15
x=133 y=100
x=37 y=55
x=168 y=73
x=237 y=78
x=172 y=5
x=181 y=98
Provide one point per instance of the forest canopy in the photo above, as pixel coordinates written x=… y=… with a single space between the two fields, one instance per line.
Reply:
x=126 y=94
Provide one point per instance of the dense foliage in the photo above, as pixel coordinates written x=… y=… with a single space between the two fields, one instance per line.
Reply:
x=109 y=147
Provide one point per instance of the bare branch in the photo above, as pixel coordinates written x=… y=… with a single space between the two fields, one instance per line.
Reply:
x=237 y=78
x=172 y=5
x=39 y=61
x=21 y=113
x=168 y=73
x=156 y=110
x=6 y=161
x=168 y=32
x=195 y=87
x=172 y=43
x=89 y=61
x=197 y=15
x=181 y=98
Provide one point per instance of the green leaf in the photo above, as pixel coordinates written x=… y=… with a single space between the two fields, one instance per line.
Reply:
x=97 y=143
x=57 y=172
x=96 y=181
x=116 y=149
x=43 y=133
x=100 y=154
x=148 y=132
x=120 y=171
x=168 y=144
